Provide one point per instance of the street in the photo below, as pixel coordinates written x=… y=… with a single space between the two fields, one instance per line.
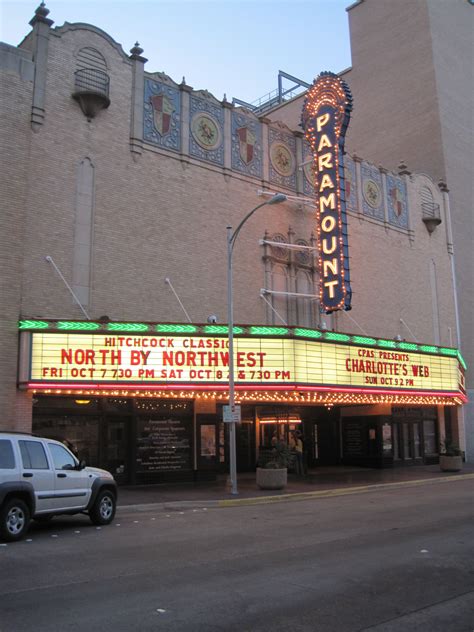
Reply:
x=388 y=560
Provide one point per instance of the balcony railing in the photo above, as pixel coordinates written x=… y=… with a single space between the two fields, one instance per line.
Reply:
x=91 y=90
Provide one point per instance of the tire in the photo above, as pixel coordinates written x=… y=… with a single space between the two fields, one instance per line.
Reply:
x=103 y=509
x=14 y=520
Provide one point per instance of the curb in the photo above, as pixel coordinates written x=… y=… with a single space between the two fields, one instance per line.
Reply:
x=293 y=496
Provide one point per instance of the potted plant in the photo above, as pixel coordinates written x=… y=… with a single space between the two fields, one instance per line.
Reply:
x=450 y=457
x=272 y=471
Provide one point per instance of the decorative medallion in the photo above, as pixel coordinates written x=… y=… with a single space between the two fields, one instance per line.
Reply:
x=373 y=203
x=303 y=256
x=162 y=112
x=247 y=141
x=397 y=202
x=351 y=184
x=205 y=131
x=282 y=159
x=372 y=194
x=277 y=252
x=308 y=169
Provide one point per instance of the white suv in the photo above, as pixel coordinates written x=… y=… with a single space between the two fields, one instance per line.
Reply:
x=40 y=478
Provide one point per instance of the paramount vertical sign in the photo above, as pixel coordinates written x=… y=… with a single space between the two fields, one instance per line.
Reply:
x=326 y=114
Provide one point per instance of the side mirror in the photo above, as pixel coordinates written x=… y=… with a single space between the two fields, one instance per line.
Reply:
x=82 y=465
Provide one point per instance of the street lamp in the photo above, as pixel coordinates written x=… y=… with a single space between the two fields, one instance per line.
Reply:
x=231 y=238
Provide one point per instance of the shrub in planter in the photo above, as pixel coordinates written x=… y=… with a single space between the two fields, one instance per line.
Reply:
x=450 y=458
x=272 y=472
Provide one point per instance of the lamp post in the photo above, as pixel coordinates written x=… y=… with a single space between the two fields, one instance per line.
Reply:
x=231 y=238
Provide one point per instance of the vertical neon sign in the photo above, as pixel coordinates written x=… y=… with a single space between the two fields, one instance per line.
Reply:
x=325 y=117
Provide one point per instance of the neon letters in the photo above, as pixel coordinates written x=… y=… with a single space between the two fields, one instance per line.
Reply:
x=325 y=117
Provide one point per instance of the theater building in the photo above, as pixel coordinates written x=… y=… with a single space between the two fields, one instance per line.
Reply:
x=120 y=184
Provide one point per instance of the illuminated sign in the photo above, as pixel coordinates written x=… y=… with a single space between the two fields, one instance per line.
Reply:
x=203 y=360
x=325 y=118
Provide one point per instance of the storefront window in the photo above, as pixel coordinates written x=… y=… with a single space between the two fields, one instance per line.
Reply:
x=81 y=433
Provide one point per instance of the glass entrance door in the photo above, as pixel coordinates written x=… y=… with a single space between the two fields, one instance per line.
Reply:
x=116 y=447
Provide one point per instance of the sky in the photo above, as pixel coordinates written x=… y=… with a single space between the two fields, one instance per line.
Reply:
x=232 y=47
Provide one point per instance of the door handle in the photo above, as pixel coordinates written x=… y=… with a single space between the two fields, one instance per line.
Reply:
x=62 y=475
x=27 y=474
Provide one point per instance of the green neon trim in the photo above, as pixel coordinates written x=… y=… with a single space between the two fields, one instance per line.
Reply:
x=127 y=327
x=428 y=348
x=308 y=333
x=361 y=340
x=390 y=344
x=33 y=324
x=408 y=346
x=221 y=329
x=177 y=329
x=69 y=324
x=332 y=335
x=447 y=351
x=461 y=360
x=268 y=331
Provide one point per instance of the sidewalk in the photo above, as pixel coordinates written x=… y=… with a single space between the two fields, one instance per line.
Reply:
x=320 y=482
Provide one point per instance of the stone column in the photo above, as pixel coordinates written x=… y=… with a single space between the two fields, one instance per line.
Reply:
x=41 y=28
x=265 y=153
x=228 y=107
x=138 y=91
x=299 y=162
x=185 y=120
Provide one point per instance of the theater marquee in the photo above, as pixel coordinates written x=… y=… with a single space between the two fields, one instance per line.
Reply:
x=158 y=360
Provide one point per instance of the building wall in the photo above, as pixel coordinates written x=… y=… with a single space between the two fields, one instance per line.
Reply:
x=16 y=82
x=160 y=210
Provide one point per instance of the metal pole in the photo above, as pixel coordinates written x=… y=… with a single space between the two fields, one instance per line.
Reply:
x=231 y=237
x=230 y=321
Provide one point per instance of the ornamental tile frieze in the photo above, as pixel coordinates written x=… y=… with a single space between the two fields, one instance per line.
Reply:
x=161 y=116
x=308 y=179
x=282 y=155
x=350 y=184
x=397 y=201
x=372 y=192
x=206 y=130
x=246 y=144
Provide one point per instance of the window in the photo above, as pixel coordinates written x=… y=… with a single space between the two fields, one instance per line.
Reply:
x=290 y=277
x=33 y=455
x=7 y=459
x=62 y=458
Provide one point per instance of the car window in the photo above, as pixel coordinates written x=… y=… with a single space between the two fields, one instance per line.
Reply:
x=62 y=458
x=7 y=460
x=33 y=455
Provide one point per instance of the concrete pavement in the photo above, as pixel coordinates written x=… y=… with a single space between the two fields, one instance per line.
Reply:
x=319 y=483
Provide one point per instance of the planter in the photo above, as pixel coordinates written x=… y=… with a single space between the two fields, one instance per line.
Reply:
x=450 y=463
x=271 y=478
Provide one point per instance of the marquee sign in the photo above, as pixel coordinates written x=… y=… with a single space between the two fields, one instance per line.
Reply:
x=157 y=360
x=325 y=118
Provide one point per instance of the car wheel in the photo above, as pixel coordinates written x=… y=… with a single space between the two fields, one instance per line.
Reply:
x=103 y=509
x=14 y=520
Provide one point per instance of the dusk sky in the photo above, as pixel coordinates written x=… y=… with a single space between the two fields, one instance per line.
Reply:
x=234 y=47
